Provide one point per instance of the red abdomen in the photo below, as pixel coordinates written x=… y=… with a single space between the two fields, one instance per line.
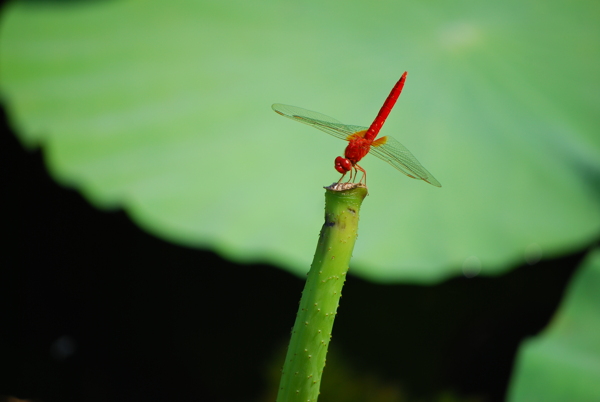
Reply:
x=385 y=109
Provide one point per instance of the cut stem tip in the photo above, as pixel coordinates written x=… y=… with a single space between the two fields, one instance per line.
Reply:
x=344 y=186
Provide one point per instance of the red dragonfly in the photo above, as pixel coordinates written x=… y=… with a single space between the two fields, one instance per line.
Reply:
x=362 y=139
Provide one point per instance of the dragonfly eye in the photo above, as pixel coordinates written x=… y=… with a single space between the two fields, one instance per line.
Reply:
x=342 y=165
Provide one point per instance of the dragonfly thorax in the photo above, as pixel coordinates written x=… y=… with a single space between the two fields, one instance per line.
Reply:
x=357 y=149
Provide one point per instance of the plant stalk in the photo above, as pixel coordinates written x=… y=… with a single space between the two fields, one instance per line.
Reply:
x=311 y=334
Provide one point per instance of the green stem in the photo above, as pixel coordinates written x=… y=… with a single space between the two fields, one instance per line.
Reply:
x=305 y=360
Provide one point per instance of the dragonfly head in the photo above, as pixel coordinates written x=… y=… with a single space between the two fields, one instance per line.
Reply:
x=342 y=165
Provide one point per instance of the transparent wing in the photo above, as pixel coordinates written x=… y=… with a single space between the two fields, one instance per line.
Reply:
x=402 y=159
x=317 y=120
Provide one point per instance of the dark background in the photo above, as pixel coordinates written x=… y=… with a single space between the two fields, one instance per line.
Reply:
x=94 y=309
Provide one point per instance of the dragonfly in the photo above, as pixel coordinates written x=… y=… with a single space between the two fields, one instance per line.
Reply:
x=363 y=141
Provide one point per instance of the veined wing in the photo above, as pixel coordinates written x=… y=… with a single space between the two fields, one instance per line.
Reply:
x=402 y=159
x=317 y=120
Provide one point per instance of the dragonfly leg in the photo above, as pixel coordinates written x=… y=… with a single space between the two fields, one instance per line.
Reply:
x=351 y=178
x=362 y=179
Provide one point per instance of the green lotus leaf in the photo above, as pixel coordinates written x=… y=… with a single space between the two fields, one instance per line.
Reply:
x=563 y=363
x=163 y=109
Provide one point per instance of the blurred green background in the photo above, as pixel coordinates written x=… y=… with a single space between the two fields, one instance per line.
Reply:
x=162 y=110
